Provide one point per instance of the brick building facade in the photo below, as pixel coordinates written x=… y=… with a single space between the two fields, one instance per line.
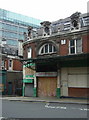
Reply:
x=56 y=59
x=10 y=71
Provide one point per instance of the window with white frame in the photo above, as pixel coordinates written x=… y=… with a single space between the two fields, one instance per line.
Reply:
x=85 y=20
x=29 y=52
x=75 y=46
x=47 y=49
x=67 y=25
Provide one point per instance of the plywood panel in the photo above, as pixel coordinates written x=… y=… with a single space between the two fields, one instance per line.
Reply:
x=47 y=86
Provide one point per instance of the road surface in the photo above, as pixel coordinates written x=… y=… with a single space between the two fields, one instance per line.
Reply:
x=19 y=109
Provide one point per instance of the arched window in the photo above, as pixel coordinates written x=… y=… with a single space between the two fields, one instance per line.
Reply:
x=47 y=49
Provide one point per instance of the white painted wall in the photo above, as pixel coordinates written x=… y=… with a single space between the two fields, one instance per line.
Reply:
x=74 y=77
x=78 y=77
x=64 y=82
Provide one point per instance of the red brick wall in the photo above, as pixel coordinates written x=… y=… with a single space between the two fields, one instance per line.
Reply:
x=85 y=43
x=64 y=49
x=24 y=52
x=33 y=50
x=6 y=64
x=17 y=65
x=32 y=45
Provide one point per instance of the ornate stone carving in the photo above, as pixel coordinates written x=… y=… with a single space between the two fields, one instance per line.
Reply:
x=75 y=20
x=46 y=27
x=30 y=31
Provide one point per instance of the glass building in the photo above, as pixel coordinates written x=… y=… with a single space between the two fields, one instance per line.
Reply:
x=13 y=25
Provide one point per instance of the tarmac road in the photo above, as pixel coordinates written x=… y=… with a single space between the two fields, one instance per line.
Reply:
x=19 y=109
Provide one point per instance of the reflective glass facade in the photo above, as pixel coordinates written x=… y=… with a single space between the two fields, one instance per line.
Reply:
x=13 y=25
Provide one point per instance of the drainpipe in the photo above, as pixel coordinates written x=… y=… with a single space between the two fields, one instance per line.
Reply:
x=58 y=90
x=23 y=89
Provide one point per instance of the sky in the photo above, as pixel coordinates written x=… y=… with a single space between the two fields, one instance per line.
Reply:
x=46 y=10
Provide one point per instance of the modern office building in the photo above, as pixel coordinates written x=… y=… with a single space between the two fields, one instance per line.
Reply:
x=13 y=25
x=13 y=29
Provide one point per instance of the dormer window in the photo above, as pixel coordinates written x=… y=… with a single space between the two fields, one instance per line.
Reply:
x=46 y=28
x=85 y=21
x=47 y=49
x=75 y=21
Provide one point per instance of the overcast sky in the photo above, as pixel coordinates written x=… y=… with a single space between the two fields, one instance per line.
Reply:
x=50 y=10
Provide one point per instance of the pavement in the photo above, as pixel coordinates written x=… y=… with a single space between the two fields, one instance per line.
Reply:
x=48 y=99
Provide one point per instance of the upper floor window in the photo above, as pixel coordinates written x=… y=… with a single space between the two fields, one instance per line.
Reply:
x=47 y=49
x=67 y=25
x=29 y=52
x=75 y=46
x=85 y=21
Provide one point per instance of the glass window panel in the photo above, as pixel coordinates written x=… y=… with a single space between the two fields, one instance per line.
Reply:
x=0 y=25
x=54 y=49
x=42 y=51
x=20 y=29
x=1 y=33
x=79 y=49
x=12 y=42
x=50 y=48
x=79 y=46
x=72 y=50
x=72 y=42
x=46 y=48
x=78 y=42
x=21 y=37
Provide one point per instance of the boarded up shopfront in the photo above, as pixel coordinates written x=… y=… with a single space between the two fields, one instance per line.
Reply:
x=75 y=81
x=78 y=82
x=47 y=84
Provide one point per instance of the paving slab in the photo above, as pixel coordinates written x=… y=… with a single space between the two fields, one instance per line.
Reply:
x=49 y=100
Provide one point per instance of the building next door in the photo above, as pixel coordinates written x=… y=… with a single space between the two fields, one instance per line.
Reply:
x=47 y=86
x=3 y=81
x=9 y=88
